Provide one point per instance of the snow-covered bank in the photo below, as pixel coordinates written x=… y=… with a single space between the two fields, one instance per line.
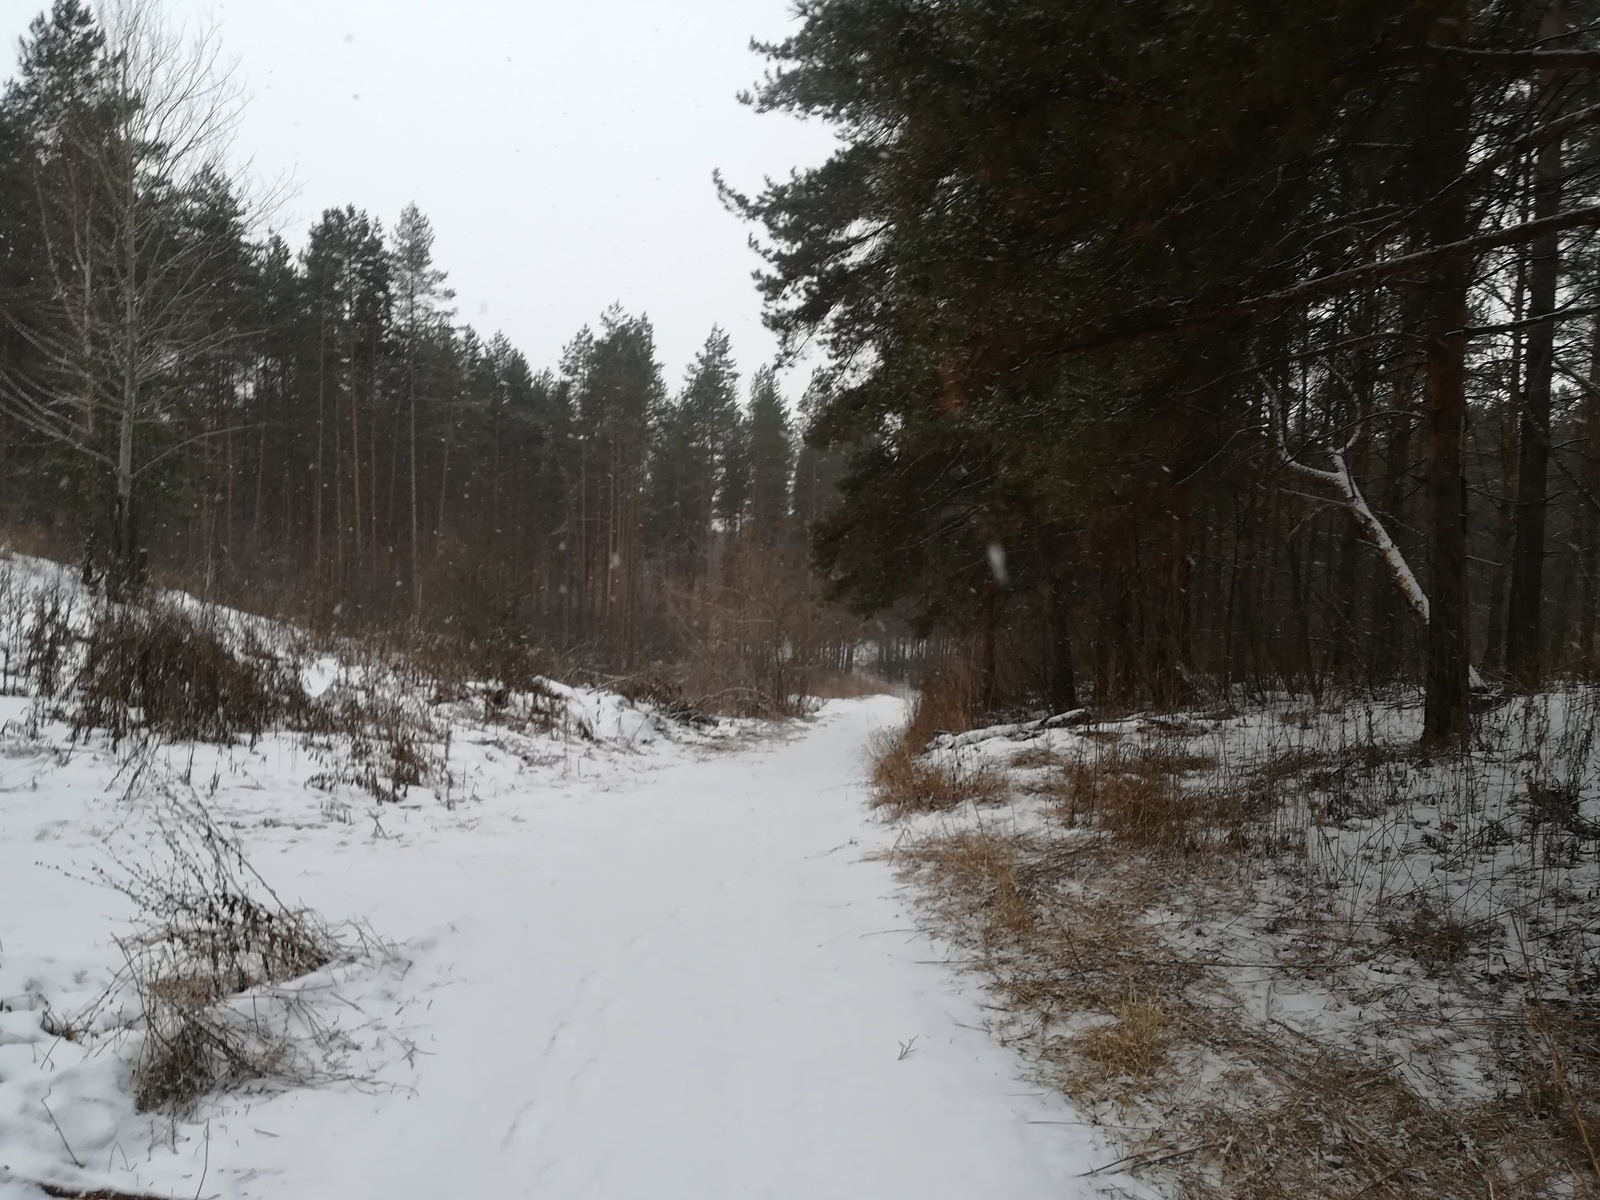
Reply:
x=1287 y=951
x=621 y=961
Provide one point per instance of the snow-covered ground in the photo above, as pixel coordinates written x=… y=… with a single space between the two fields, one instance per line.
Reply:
x=1294 y=883
x=643 y=961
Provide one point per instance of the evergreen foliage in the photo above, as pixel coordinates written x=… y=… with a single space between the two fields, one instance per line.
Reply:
x=314 y=431
x=1098 y=284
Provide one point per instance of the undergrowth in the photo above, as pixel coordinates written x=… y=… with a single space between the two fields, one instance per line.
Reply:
x=211 y=943
x=1292 y=958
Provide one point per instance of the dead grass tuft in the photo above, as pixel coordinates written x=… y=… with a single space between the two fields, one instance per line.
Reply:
x=1439 y=941
x=1138 y=796
x=905 y=783
x=985 y=870
x=1130 y=1049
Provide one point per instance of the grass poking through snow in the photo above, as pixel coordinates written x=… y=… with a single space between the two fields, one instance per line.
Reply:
x=1284 y=953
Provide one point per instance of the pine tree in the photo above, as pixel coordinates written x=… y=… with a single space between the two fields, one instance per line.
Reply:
x=771 y=458
x=419 y=298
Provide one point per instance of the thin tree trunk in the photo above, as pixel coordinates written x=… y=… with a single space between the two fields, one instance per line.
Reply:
x=1063 y=682
x=1526 y=603
x=1590 y=525
x=316 y=500
x=1446 y=717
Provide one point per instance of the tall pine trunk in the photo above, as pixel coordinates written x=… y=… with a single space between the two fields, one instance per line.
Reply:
x=1526 y=604
x=1446 y=716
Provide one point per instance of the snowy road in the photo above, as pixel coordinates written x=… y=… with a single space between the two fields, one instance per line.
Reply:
x=688 y=981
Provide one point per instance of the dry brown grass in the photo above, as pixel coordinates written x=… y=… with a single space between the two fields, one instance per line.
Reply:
x=1141 y=1034
x=983 y=870
x=1131 y=1049
x=1139 y=798
x=904 y=783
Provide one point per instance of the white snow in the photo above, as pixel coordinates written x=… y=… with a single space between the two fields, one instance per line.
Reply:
x=625 y=961
x=1362 y=848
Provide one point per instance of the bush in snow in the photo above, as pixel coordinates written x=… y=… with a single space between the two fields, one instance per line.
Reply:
x=166 y=670
x=210 y=930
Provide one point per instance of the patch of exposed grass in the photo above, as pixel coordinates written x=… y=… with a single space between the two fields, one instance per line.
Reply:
x=1129 y=1050
x=904 y=783
x=1071 y=924
x=1138 y=797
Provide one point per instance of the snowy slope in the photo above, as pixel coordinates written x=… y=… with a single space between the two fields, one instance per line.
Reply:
x=633 y=964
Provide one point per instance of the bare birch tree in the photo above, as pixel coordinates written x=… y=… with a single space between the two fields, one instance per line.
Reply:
x=128 y=289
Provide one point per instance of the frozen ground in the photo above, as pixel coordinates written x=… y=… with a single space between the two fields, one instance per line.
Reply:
x=1287 y=951
x=647 y=964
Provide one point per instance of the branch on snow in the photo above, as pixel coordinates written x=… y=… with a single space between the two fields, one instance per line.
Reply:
x=1525 y=60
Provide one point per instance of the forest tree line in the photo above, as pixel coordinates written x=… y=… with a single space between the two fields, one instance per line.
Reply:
x=1199 y=350
x=310 y=430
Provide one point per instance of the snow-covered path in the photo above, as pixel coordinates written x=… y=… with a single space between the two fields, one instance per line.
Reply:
x=690 y=981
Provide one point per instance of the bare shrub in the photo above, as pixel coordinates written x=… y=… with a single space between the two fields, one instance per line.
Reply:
x=163 y=669
x=209 y=928
x=659 y=689
x=458 y=665
x=750 y=644
x=387 y=746
x=846 y=685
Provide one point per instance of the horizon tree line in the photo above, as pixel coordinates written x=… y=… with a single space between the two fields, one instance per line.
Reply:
x=312 y=430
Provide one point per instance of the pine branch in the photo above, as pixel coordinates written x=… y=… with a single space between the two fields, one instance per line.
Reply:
x=1179 y=319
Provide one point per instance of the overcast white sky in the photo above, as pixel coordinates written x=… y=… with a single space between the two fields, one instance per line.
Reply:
x=563 y=151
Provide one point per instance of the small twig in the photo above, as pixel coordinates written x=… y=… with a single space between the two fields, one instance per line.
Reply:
x=75 y=1160
x=206 y=1165
x=1135 y=1161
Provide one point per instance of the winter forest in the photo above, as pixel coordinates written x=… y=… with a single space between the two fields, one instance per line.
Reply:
x=1105 y=703
x=1144 y=384
x=310 y=430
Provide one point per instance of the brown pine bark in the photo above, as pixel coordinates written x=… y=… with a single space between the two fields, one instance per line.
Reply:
x=1444 y=305
x=1525 y=607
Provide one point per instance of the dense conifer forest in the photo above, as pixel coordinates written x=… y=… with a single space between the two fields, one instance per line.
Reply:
x=1213 y=346
x=310 y=429
x=1166 y=351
